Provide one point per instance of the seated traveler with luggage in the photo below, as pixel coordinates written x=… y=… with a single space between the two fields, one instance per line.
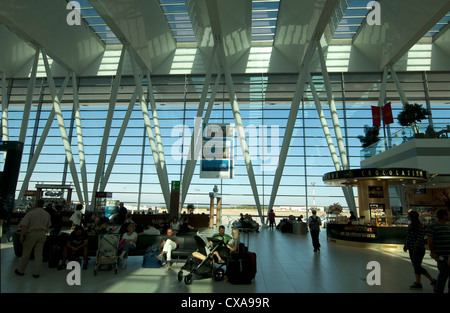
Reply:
x=76 y=245
x=227 y=244
x=169 y=244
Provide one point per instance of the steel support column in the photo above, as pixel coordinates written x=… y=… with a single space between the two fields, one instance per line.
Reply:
x=115 y=151
x=399 y=86
x=62 y=126
x=5 y=132
x=37 y=151
x=348 y=191
x=295 y=104
x=109 y=118
x=79 y=129
x=196 y=139
x=29 y=98
x=160 y=167
x=239 y=125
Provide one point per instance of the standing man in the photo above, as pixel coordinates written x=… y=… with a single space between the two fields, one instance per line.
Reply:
x=35 y=225
x=438 y=237
x=121 y=214
x=314 y=223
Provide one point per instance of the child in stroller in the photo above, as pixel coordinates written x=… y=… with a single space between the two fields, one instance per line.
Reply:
x=201 y=262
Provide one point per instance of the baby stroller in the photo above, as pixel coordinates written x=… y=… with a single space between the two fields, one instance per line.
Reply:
x=106 y=257
x=200 y=263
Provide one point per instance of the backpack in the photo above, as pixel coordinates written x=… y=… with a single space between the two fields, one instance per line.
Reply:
x=314 y=224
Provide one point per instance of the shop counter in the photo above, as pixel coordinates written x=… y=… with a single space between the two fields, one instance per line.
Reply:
x=390 y=235
x=195 y=220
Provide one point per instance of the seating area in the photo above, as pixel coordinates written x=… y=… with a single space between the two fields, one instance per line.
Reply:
x=186 y=245
x=286 y=264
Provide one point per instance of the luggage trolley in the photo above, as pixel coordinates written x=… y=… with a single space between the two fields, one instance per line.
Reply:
x=106 y=257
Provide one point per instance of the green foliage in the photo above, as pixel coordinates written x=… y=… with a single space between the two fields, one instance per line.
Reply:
x=412 y=113
x=371 y=135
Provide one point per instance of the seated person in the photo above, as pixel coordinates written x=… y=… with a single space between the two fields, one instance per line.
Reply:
x=169 y=244
x=129 y=240
x=186 y=228
x=222 y=251
x=231 y=245
x=252 y=222
x=151 y=230
x=77 y=243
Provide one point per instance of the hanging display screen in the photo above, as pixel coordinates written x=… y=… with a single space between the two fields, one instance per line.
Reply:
x=217 y=151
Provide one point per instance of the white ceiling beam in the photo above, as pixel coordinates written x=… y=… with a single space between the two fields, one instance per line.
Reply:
x=299 y=22
x=403 y=24
x=15 y=53
x=142 y=26
x=44 y=24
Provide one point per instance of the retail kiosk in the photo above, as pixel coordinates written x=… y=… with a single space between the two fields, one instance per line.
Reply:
x=378 y=223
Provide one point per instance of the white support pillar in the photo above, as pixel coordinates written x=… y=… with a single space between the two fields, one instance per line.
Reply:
x=348 y=191
x=239 y=125
x=40 y=145
x=382 y=97
x=196 y=140
x=333 y=110
x=401 y=93
x=324 y=123
x=109 y=118
x=298 y=94
x=79 y=129
x=123 y=128
x=160 y=168
x=29 y=98
x=157 y=129
x=328 y=138
x=5 y=131
x=198 y=144
x=62 y=127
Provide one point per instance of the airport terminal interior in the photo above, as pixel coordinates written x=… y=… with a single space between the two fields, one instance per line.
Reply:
x=210 y=109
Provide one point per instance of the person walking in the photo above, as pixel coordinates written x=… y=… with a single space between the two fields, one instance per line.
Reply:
x=415 y=245
x=438 y=236
x=34 y=230
x=314 y=223
x=272 y=219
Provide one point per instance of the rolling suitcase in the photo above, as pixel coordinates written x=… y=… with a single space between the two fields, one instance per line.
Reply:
x=241 y=268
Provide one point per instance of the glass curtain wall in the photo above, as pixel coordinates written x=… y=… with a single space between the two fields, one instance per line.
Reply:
x=264 y=102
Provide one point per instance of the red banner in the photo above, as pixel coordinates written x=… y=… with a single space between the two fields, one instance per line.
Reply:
x=376 y=116
x=387 y=114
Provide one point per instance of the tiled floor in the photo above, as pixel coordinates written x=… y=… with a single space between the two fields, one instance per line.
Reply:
x=286 y=264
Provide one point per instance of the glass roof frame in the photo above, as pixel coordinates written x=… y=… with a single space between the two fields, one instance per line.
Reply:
x=345 y=23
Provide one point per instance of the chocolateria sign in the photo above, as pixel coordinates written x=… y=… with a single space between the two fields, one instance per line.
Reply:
x=394 y=174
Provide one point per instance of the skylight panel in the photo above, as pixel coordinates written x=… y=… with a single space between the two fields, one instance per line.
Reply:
x=351 y=20
x=97 y=24
x=178 y=19
x=264 y=20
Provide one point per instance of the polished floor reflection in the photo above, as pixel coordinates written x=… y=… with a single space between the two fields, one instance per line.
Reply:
x=286 y=264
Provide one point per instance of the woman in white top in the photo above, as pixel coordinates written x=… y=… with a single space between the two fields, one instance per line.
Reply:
x=129 y=239
x=175 y=225
x=77 y=216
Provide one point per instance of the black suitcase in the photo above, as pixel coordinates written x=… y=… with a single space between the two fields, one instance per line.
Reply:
x=241 y=268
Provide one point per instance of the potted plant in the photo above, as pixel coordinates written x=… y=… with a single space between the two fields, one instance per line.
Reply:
x=411 y=115
x=335 y=208
x=371 y=136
